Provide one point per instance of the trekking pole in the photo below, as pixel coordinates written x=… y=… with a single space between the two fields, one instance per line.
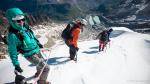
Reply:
x=105 y=47
x=76 y=57
x=109 y=44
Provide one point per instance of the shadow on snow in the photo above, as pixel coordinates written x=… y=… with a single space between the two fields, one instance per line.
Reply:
x=90 y=52
x=58 y=60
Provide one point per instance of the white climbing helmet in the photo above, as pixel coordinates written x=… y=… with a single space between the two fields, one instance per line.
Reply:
x=83 y=21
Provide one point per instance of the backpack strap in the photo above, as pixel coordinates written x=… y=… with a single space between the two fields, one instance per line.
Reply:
x=19 y=36
x=14 y=31
x=29 y=29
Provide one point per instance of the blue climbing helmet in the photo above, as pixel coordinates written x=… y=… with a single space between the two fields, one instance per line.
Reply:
x=13 y=15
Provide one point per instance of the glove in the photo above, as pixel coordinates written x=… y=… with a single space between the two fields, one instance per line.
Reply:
x=18 y=68
x=71 y=46
x=77 y=49
x=40 y=45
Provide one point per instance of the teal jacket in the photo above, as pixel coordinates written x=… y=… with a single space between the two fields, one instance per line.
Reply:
x=29 y=45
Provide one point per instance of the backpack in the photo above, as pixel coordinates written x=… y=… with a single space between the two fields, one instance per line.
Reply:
x=14 y=31
x=104 y=36
x=4 y=39
x=18 y=35
x=29 y=18
x=66 y=33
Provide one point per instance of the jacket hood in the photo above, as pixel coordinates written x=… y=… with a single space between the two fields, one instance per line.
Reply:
x=13 y=14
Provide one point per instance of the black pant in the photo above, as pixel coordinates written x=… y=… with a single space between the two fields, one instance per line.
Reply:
x=72 y=52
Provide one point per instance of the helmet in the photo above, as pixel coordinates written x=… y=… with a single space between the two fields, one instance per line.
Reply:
x=13 y=14
x=83 y=21
x=18 y=17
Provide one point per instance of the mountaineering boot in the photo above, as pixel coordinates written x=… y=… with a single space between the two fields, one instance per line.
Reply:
x=71 y=58
x=43 y=82
x=37 y=74
x=99 y=49
x=47 y=82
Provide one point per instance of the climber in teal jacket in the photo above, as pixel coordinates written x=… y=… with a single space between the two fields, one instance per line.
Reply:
x=22 y=40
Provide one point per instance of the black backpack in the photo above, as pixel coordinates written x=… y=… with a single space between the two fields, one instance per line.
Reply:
x=66 y=33
x=14 y=31
x=19 y=35
x=104 y=36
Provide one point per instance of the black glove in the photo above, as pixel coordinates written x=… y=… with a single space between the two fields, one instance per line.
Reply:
x=71 y=46
x=77 y=49
x=18 y=68
x=40 y=45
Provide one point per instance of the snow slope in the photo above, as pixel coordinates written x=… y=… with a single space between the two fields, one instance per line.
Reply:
x=124 y=61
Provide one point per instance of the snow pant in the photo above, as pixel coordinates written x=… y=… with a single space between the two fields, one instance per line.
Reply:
x=38 y=60
x=73 y=52
x=102 y=45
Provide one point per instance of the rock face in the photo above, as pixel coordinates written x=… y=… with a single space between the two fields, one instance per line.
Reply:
x=128 y=8
x=3 y=50
x=65 y=9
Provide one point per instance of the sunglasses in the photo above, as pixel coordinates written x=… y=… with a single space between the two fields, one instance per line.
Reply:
x=19 y=21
